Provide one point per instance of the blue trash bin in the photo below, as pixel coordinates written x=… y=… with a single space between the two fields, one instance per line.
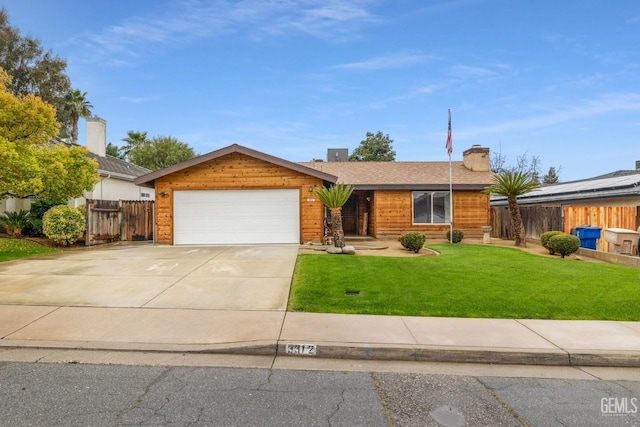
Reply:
x=588 y=236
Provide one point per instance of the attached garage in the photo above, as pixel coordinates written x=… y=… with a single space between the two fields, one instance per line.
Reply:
x=237 y=195
x=219 y=217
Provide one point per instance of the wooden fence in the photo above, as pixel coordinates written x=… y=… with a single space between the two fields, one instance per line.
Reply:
x=538 y=219
x=112 y=220
x=603 y=217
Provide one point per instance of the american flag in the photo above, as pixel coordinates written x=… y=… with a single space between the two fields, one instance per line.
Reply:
x=449 y=145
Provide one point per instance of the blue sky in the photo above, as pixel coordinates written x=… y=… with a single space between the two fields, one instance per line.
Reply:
x=556 y=79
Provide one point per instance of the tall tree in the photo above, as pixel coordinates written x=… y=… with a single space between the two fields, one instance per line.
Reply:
x=512 y=184
x=134 y=139
x=551 y=177
x=114 y=151
x=30 y=165
x=160 y=152
x=375 y=148
x=33 y=70
x=334 y=198
x=79 y=106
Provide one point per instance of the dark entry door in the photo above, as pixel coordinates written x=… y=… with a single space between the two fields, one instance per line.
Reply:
x=350 y=216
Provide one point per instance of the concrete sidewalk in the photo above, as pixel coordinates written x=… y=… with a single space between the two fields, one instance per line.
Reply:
x=495 y=341
x=233 y=300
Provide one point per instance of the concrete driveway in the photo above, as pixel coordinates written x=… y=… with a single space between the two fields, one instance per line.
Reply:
x=147 y=276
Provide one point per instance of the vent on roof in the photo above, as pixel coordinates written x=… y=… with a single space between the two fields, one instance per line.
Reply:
x=337 y=154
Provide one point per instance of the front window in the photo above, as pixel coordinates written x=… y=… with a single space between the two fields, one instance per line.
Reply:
x=431 y=207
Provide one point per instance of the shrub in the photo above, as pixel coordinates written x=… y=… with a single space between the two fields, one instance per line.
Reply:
x=413 y=240
x=544 y=239
x=63 y=224
x=38 y=209
x=14 y=222
x=564 y=244
x=458 y=235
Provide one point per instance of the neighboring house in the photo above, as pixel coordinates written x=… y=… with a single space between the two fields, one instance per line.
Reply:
x=116 y=175
x=237 y=195
x=605 y=201
x=620 y=188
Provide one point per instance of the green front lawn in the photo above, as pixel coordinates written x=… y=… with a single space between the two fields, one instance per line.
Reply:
x=16 y=248
x=467 y=281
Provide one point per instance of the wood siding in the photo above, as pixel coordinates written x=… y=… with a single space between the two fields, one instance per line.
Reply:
x=393 y=214
x=237 y=171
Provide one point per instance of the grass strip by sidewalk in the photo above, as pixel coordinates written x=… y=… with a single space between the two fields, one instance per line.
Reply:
x=467 y=281
x=17 y=248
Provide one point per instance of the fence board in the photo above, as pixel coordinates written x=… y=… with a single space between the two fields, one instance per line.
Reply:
x=536 y=219
x=601 y=216
x=113 y=220
x=103 y=222
x=137 y=220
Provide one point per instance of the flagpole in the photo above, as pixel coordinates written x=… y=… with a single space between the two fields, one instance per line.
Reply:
x=449 y=147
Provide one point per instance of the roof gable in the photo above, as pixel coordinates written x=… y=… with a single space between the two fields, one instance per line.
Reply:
x=150 y=178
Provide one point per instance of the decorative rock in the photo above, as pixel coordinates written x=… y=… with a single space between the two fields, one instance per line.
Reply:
x=349 y=250
x=334 y=250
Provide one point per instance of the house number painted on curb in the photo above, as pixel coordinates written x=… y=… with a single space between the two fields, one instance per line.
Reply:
x=301 y=349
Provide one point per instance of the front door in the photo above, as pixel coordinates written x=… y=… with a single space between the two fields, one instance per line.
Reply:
x=350 y=216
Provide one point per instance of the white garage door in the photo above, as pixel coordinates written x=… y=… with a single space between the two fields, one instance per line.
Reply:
x=221 y=217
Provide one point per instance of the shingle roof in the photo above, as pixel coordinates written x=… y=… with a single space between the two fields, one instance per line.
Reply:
x=113 y=165
x=110 y=165
x=404 y=175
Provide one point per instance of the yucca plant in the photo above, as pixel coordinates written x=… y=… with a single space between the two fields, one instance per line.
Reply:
x=14 y=222
x=512 y=184
x=334 y=198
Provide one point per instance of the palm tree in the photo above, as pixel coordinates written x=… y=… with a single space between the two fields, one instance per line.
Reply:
x=79 y=106
x=334 y=198
x=512 y=184
x=133 y=140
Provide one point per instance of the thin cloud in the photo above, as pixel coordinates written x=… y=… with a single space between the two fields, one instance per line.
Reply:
x=445 y=6
x=608 y=103
x=135 y=37
x=138 y=100
x=634 y=20
x=469 y=71
x=399 y=60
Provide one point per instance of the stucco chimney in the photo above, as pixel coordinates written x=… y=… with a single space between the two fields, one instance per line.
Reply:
x=476 y=158
x=97 y=136
x=638 y=165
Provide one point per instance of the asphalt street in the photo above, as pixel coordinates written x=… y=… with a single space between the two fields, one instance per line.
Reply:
x=73 y=394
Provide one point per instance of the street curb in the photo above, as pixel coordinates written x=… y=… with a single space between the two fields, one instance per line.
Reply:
x=258 y=348
x=492 y=356
x=438 y=354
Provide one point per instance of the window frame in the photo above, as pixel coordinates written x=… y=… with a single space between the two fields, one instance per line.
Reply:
x=447 y=212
